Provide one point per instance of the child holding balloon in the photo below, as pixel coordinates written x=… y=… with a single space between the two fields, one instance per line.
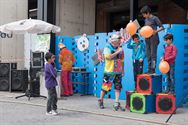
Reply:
x=170 y=56
x=138 y=55
x=152 y=41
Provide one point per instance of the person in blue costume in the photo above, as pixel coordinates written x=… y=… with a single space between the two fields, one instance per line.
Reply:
x=138 y=55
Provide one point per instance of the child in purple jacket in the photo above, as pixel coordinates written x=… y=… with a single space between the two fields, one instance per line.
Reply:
x=51 y=83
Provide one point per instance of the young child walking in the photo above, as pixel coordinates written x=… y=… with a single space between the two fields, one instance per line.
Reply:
x=153 y=41
x=170 y=56
x=114 y=68
x=138 y=55
x=51 y=83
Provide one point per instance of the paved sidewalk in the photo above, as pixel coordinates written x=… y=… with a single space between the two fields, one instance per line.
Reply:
x=88 y=105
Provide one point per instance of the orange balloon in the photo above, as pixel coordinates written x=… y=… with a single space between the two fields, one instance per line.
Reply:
x=164 y=67
x=146 y=31
x=131 y=28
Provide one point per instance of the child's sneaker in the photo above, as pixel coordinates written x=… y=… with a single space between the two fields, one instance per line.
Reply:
x=101 y=105
x=54 y=112
x=173 y=93
x=167 y=92
x=49 y=113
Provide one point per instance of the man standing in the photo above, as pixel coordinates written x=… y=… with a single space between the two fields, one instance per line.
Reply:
x=66 y=59
x=114 y=69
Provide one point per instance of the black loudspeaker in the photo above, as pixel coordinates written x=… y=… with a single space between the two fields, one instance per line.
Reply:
x=35 y=81
x=4 y=83
x=35 y=88
x=37 y=60
x=4 y=69
x=19 y=80
x=5 y=75
x=165 y=103
x=34 y=73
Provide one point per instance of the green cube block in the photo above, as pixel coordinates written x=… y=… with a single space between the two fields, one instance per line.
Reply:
x=142 y=103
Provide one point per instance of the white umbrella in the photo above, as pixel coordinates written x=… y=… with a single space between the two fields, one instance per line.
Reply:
x=29 y=26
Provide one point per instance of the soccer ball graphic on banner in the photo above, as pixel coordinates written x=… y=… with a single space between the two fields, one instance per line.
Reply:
x=82 y=43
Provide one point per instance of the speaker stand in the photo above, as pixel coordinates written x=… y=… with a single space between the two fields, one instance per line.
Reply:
x=29 y=94
x=181 y=102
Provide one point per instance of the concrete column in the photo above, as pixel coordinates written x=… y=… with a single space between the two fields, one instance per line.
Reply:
x=76 y=17
x=11 y=49
x=40 y=9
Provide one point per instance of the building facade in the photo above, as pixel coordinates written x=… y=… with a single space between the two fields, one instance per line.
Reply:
x=12 y=46
x=76 y=17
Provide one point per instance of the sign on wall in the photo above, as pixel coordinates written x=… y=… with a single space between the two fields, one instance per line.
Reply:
x=4 y=35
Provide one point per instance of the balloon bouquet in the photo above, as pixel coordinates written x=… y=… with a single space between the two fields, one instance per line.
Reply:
x=126 y=33
x=131 y=29
x=146 y=32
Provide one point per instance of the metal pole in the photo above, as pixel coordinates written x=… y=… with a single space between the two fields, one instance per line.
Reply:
x=133 y=9
x=50 y=12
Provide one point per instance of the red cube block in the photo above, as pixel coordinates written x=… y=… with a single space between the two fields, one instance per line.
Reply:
x=128 y=94
x=165 y=103
x=149 y=84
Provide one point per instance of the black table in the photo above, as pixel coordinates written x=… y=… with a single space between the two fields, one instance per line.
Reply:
x=85 y=78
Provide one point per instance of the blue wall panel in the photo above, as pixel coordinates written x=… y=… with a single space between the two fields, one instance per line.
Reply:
x=180 y=41
x=90 y=63
x=80 y=62
x=98 y=41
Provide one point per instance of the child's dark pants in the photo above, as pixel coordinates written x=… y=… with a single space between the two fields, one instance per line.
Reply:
x=137 y=68
x=52 y=99
x=151 y=51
